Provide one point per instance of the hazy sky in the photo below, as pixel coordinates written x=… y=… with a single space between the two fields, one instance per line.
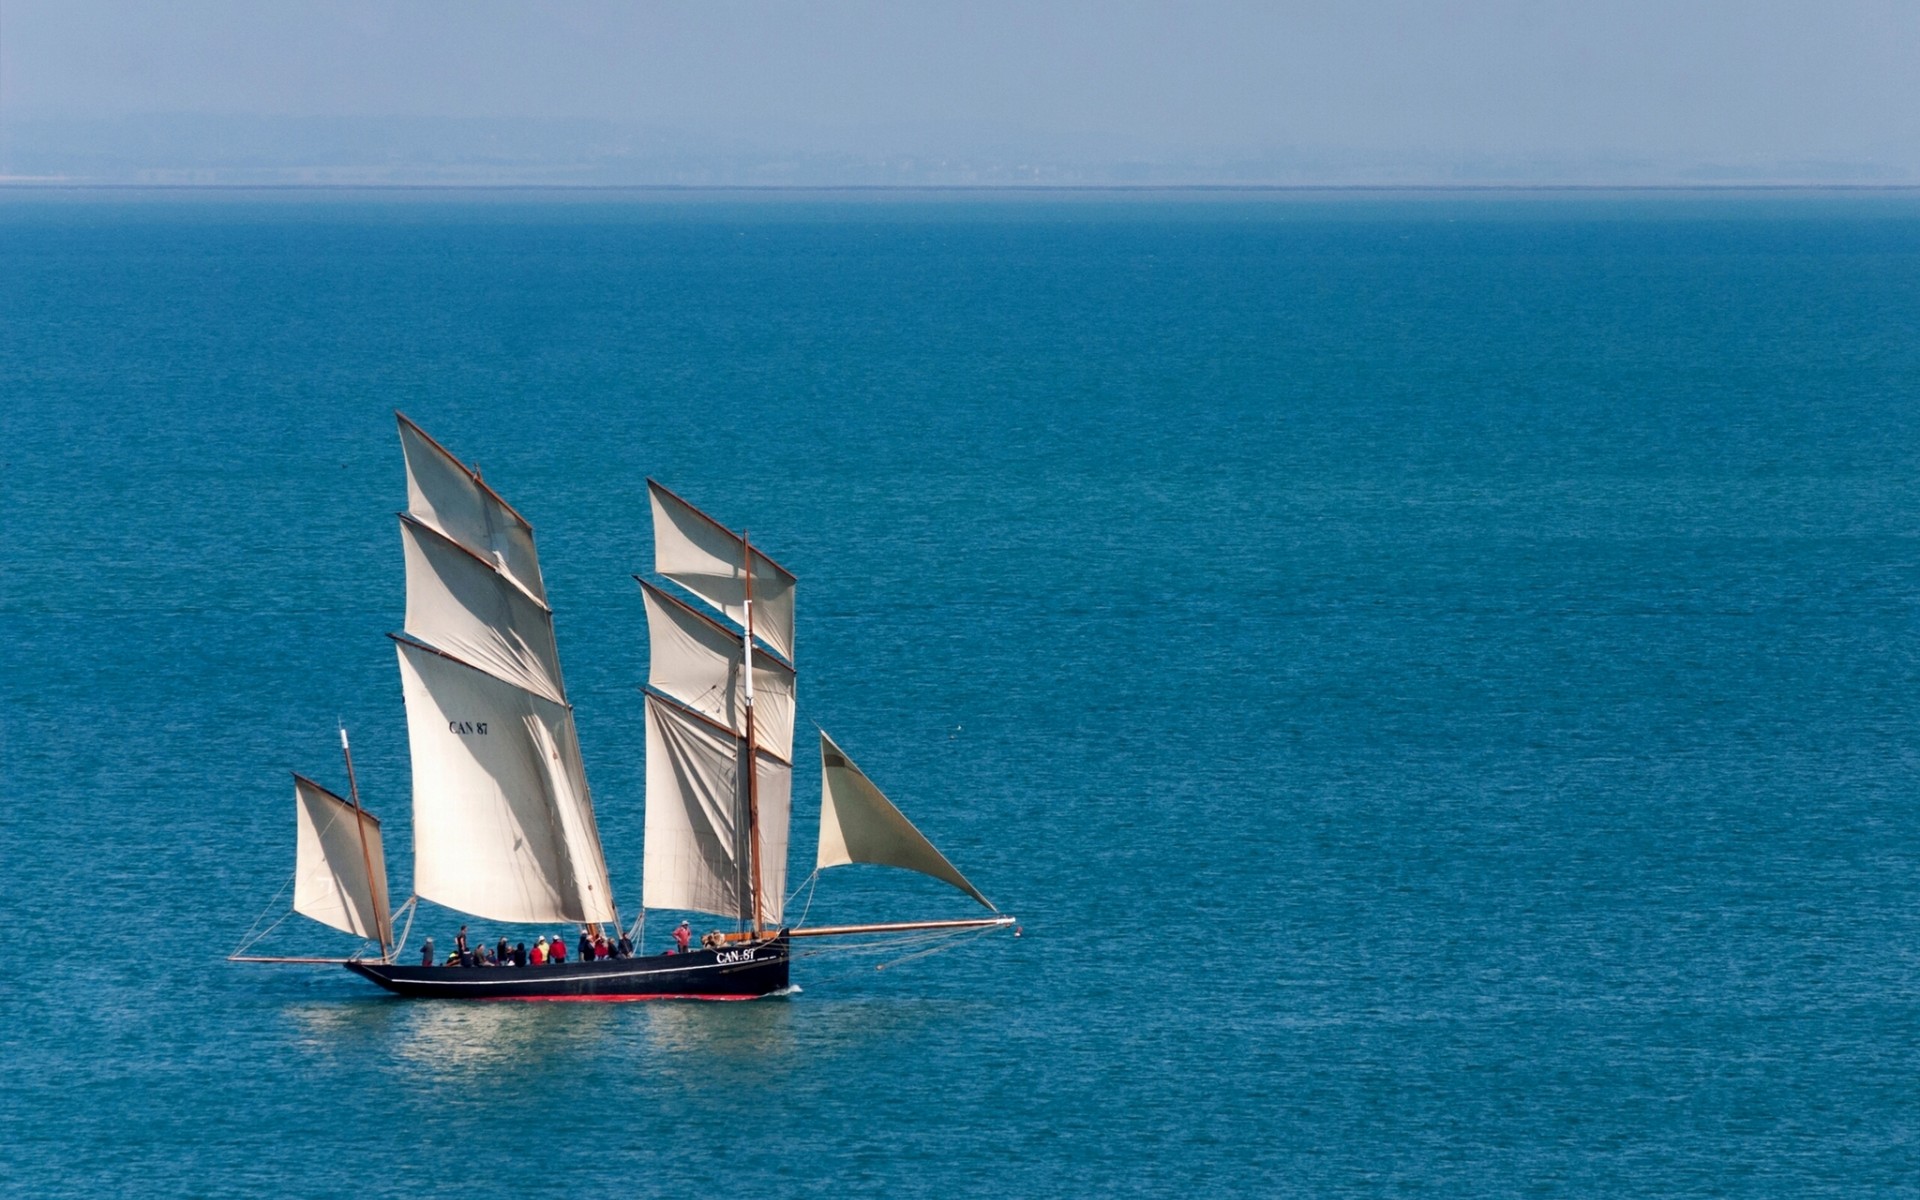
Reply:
x=1737 y=81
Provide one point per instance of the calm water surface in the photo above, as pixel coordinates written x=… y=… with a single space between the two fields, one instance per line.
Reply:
x=1436 y=678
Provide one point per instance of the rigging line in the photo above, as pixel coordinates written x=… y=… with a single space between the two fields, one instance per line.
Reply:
x=931 y=950
x=886 y=944
x=410 y=907
x=242 y=949
x=881 y=941
x=945 y=935
x=247 y=939
x=814 y=881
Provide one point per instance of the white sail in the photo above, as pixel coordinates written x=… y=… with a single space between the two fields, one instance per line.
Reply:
x=502 y=823
x=859 y=824
x=443 y=494
x=708 y=559
x=464 y=606
x=776 y=810
x=696 y=854
x=331 y=882
x=696 y=661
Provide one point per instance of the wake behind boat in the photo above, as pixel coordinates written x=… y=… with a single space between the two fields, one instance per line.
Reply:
x=504 y=825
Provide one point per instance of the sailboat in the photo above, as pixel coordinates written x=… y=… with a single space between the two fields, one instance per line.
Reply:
x=503 y=822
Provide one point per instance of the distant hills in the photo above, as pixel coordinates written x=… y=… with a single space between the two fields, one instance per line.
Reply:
x=237 y=151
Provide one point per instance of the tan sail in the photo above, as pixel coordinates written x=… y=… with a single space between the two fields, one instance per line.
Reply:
x=860 y=825
x=502 y=824
x=462 y=605
x=709 y=560
x=503 y=821
x=696 y=660
x=337 y=844
x=697 y=855
x=701 y=799
x=444 y=495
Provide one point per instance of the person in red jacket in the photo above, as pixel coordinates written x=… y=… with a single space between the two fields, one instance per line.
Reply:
x=539 y=955
x=682 y=935
x=557 y=950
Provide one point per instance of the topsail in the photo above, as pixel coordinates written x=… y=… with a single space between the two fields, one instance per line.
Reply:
x=708 y=559
x=503 y=822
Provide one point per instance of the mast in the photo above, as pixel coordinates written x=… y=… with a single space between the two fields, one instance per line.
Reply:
x=720 y=700
x=753 y=760
x=503 y=819
x=382 y=921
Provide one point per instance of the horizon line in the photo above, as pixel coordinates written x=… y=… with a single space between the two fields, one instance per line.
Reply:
x=28 y=185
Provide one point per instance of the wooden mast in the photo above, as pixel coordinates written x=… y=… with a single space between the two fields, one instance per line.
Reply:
x=753 y=765
x=366 y=856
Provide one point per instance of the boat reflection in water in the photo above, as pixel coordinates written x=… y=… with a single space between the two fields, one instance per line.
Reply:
x=456 y=1040
x=702 y=1035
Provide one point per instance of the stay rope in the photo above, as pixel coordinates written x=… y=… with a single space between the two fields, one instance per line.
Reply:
x=250 y=938
x=921 y=944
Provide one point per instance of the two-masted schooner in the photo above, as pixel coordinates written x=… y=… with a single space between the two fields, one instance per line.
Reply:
x=503 y=823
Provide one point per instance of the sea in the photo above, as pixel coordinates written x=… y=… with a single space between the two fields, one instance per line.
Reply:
x=1434 y=676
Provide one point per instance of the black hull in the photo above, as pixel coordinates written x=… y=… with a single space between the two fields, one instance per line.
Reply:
x=733 y=974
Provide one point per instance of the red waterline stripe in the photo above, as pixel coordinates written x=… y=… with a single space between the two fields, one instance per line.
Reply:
x=614 y=999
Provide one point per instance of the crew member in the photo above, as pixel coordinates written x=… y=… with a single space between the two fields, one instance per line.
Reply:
x=426 y=952
x=682 y=935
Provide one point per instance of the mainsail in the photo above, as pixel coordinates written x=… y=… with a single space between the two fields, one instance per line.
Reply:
x=503 y=822
x=340 y=871
x=697 y=854
x=858 y=824
x=703 y=800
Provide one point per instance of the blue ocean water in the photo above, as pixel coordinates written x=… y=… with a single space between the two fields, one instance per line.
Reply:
x=1434 y=675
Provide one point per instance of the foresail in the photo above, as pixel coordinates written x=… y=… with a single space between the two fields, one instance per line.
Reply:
x=331 y=883
x=696 y=853
x=697 y=661
x=444 y=495
x=860 y=825
x=707 y=558
x=503 y=826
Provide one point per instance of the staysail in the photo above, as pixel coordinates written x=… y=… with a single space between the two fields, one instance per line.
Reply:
x=860 y=825
x=503 y=821
x=338 y=846
x=701 y=800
